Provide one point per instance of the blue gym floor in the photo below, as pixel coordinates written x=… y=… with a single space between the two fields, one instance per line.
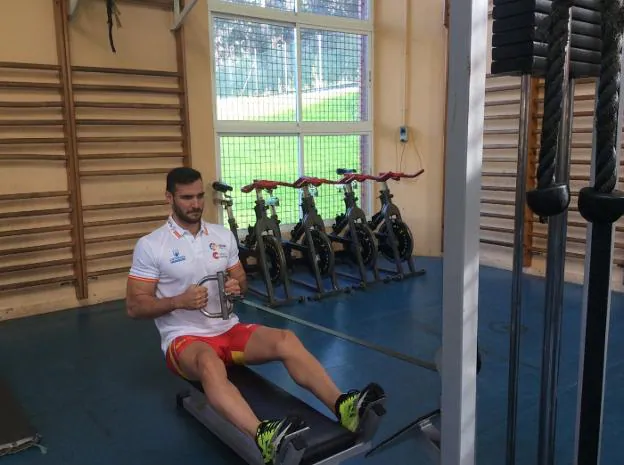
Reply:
x=96 y=388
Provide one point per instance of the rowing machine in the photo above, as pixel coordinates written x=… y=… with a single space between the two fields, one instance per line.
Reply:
x=322 y=441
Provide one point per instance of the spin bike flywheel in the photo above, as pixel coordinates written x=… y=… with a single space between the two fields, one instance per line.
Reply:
x=404 y=238
x=276 y=259
x=367 y=244
x=324 y=252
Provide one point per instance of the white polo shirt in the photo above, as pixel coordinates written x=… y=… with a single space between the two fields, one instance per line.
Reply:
x=175 y=259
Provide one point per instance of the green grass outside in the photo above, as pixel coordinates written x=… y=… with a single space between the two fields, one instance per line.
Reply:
x=275 y=157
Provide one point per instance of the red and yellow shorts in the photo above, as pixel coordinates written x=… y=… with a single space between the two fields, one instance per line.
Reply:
x=229 y=346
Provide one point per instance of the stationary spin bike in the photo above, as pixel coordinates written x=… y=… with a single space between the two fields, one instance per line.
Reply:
x=396 y=242
x=262 y=243
x=351 y=229
x=310 y=238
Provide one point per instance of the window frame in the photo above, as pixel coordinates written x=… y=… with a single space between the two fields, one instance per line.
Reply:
x=299 y=129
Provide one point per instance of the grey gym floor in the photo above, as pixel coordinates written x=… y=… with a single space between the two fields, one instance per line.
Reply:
x=96 y=387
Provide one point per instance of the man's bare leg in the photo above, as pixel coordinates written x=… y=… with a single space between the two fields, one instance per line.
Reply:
x=269 y=344
x=199 y=361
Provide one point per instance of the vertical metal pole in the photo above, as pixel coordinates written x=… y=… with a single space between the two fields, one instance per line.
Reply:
x=553 y=309
x=462 y=202
x=518 y=255
x=595 y=318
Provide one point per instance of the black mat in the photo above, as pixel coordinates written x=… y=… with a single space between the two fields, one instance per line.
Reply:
x=16 y=432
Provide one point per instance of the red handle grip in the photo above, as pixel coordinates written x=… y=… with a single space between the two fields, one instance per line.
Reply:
x=352 y=177
x=263 y=184
x=306 y=180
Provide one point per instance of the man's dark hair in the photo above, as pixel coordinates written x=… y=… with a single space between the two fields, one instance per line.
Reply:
x=181 y=175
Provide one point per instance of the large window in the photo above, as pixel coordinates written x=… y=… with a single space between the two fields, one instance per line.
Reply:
x=292 y=96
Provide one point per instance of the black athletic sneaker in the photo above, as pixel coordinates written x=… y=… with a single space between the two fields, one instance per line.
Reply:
x=351 y=405
x=271 y=433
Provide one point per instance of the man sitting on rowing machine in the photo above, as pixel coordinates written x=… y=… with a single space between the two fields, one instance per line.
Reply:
x=166 y=265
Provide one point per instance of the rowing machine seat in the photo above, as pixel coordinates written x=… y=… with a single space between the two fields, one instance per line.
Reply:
x=325 y=439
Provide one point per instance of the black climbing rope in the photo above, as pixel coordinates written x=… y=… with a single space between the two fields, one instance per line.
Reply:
x=112 y=11
x=607 y=106
x=601 y=205
x=550 y=198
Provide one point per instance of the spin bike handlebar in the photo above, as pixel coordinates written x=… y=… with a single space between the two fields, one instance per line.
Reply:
x=264 y=184
x=310 y=180
x=395 y=176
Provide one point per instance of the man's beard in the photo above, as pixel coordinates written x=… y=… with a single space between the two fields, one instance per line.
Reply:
x=186 y=217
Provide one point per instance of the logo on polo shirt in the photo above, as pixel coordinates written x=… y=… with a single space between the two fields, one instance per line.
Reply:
x=176 y=257
x=218 y=250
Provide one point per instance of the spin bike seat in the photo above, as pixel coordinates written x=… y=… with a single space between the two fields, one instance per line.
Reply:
x=221 y=187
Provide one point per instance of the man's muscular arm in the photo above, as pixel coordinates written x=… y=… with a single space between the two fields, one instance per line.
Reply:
x=237 y=272
x=141 y=300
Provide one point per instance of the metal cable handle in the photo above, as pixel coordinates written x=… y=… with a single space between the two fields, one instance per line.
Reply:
x=226 y=301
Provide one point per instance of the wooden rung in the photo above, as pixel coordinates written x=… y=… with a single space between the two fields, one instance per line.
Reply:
x=21 y=214
x=32 y=140
x=116 y=237
x=29 y=85
x=36 y=266
x=122 y=221
x=125 y=172
x=128 y=106
x=542 y=251
x=496 y=174
x=37 y=105
x=502 y=88
x=498 y=103
x=36 y=248
x=42 y=230
x=120 y=270
x=34 y=195
x=110 y=206
x=33 y=66
x=497 y=202
x=578 y=177
x=497 y=229
x=583 y=225
x=31 y=156
x=500 y=216
x=500 y=160
x=115 y=88
x=31 y=122
x=500 y=146
x=496 y=242
x=503 y=116
x=500 y=132
x=37 y=282
x=113 y=254
x=577 y=114
x=103 y=156
x=131 y=139
x=134 y=72
x=498 y=188
x=129 y=122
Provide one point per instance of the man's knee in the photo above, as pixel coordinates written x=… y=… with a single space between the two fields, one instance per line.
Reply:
x=209 y=366
x=287 y=344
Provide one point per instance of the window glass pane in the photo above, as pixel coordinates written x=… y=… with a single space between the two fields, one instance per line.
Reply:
x=255 y=71
x=334 y=70
x=357 y=9
x=323 y=155
x=287 y=5
x=245 y=158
